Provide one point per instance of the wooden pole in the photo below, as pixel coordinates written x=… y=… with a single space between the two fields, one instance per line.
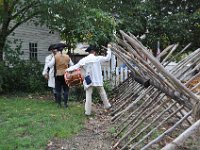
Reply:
x=179 y=141
x=138 y=46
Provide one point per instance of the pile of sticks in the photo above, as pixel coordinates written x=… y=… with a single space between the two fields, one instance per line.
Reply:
x=153 y=106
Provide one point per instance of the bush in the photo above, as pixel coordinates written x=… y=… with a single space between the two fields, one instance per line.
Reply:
x=24 y=76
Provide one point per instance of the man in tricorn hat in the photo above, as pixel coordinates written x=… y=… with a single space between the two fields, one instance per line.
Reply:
x=48 y=73
x=61 y=61
x=91 y=65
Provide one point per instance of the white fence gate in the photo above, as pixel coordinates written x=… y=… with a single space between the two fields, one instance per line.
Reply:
x=115 y=77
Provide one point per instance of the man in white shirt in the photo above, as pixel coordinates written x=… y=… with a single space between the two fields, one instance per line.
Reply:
x=60 y=62
x=48 y=73
x=91 y=65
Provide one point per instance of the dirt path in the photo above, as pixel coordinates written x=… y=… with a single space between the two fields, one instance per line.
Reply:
x=96 y=134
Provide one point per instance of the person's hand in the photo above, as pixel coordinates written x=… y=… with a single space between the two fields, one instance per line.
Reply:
x=46 y=76
x=109 y=46
x=68 y=70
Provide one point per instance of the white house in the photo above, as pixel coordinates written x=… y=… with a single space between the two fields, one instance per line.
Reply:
x=35 y=40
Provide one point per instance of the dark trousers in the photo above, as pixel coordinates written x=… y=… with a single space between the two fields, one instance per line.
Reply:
x=59 y=85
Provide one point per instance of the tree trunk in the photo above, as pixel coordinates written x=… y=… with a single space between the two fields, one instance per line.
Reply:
x=2 y=44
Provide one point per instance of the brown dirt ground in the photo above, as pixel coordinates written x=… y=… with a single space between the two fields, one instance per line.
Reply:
x=96 y=134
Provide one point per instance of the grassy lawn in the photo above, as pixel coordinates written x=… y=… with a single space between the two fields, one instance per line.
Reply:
x=29 y=124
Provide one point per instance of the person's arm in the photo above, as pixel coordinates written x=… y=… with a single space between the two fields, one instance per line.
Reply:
x=51 y=63
x=45 y=70
x=76 y=66
x=107 y=57
x=71 y=62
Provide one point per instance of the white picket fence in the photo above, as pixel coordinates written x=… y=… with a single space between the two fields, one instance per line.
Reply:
x=116 y=76
x=120 y=74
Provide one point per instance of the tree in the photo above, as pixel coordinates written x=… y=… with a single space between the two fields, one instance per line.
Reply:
x=78 y=22
x=71 y=17
x=14 y=13
x=166 y=20
x=172 y=21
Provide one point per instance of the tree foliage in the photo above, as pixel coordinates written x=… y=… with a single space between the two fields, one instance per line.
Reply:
x=16 y=12
x=173 y=21
x=78 y=22
x=95 y=21
x=74 y=20
x=166 y=20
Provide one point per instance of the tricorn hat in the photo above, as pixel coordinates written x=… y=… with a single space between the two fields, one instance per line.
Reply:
x=51 y=47
x=60 y=46
x=91 y=47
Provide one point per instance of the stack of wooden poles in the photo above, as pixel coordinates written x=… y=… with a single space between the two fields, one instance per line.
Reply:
x=154 y=108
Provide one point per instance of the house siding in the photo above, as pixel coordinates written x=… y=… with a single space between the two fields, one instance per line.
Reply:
x=29 y=33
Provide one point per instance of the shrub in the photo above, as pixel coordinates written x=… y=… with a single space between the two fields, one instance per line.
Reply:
x=24 y=76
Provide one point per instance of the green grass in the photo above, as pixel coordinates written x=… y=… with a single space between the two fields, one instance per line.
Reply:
x=29 y=124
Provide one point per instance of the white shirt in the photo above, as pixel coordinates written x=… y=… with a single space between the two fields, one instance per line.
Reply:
x=51 y=80
x=92 y=66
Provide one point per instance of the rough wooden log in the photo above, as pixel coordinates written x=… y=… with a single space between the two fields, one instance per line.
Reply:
x=144 y=104
x=130 y=105
x=168 y=91
x=167 y=132
x=125 y=94
x=185 y=61
x=125 y=100
x=165 y=51
x=174 y=94
x=179 y=141
x=173 y=58
x=141 y=112
x=170 y=53
x=121 y=93
x=193 y=78
x=154 y=129
x=139 y=122
x=192 y=71
x=192 y=65
x=171 y=78
x=150 y=124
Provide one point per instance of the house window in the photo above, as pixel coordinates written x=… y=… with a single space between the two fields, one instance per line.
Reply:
x=33 y=51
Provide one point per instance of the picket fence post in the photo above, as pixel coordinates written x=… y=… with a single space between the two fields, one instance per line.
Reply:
x=115 y=77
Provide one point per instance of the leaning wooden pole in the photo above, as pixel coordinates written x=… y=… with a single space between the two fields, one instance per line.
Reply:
x=167 y=132
x=179 y=141
x=137 y=45
x=156 y=79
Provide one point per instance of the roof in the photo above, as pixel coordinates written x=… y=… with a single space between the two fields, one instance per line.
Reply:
x=79 y=51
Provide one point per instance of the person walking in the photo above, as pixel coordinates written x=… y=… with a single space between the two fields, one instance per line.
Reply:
x=91 y=66
x=47 y=72
x=60 y=62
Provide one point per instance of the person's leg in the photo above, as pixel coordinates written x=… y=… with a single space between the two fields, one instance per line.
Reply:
x=65 y=90
x=58 y=90
x=103 y=96
x=54 y=93
x=88 y=103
